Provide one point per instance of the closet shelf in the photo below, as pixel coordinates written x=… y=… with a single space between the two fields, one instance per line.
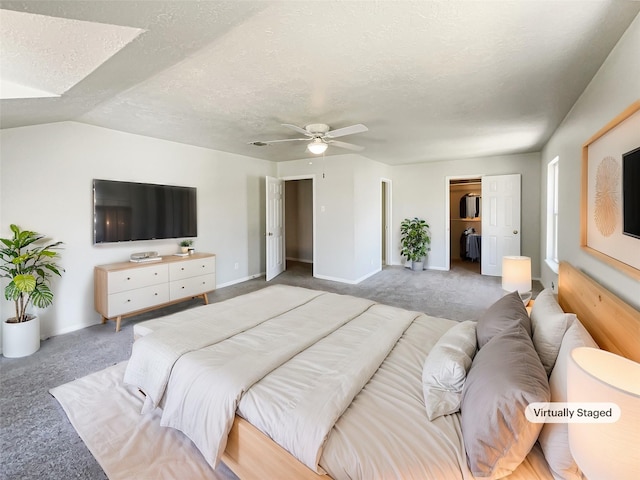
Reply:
x=476 y=219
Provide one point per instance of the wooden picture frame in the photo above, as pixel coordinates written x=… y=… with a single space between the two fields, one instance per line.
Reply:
x=601 y=210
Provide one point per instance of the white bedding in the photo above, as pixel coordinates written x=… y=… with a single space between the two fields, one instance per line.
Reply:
x=154 y=355
x=343 y=405
x=299 y=403
x=210 y=381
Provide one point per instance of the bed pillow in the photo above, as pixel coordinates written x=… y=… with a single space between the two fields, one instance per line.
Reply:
x=507 y=312
x=445 y=369
x=548 y=325
x=505 y=377
x=554 y=437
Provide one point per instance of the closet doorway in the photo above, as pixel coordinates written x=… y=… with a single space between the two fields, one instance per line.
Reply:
x=299 y=225
x=465 y=223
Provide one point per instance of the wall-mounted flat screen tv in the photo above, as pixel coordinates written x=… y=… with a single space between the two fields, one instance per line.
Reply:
x=631 y=193
x=128 y=211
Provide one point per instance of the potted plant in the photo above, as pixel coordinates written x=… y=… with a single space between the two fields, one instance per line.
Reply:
x=29 y=268
x=185 y=244
x=414 y=237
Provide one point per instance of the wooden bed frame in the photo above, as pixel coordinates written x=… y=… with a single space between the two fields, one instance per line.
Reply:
x=613 y=324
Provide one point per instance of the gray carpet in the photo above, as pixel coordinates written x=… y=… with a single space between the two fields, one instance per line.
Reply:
x=38 y=442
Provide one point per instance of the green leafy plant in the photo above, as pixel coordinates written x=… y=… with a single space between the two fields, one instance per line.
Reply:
x=186 y=243
x=29 y=268
x=414 y=237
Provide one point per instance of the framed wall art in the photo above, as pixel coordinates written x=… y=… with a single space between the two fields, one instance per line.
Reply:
x=610 y=205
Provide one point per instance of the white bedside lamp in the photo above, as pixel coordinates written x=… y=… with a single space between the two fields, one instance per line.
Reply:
x=605 y=450
x=516 y=275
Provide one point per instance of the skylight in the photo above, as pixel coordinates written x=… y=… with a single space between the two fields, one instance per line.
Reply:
x=43 y=56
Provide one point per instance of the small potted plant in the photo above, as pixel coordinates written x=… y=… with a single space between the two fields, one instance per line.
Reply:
x=186 y=245
x=415 y=238
x=29 y=268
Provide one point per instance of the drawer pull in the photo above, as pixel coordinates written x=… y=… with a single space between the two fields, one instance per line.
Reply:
x=156 y=274
x=182 y=287
x=156 y=294
x=182 y=269
x=128 y=300
x=128 y=278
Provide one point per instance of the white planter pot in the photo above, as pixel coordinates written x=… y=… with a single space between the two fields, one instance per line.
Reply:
x=20 y=339
x=417 y=266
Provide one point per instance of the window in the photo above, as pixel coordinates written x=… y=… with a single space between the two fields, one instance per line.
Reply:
x=552 y=214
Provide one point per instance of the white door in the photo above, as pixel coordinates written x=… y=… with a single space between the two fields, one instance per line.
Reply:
x=500 y=221
x=275 y=227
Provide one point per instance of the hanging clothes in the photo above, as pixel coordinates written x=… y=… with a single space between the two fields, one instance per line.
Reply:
x=463 y=206
x=474 y=247
x=470 y=245
x=470 y=205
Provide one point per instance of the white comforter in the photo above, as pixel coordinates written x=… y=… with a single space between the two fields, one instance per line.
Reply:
x=299 y=403
x=154 y=355
x=334 y=379
x=200 y=377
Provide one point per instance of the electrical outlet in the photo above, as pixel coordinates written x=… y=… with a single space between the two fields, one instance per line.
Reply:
x=236 y=266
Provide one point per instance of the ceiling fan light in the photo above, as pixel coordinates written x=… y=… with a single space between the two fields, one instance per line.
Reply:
x=317 y=146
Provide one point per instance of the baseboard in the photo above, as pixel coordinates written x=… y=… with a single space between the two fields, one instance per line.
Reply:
x=344 y=280
x=240 y=280
x=44 y=335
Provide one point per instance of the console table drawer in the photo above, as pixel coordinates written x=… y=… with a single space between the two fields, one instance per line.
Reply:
x=192 y=268
x=123 y=280
x=138 y=299
x=192 y=286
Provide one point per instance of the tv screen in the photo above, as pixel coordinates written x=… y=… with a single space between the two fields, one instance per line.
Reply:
x=631 y=193
x=127 y=211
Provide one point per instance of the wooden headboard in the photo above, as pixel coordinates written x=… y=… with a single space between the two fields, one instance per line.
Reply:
x=613 y=324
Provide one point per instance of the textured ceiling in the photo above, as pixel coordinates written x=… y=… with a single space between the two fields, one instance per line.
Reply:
x=53 y=54
x=431 y=80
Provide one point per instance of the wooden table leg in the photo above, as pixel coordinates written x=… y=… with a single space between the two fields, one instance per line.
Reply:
x=118 y=319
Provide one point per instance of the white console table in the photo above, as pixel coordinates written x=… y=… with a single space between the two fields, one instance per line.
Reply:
x=127 y=288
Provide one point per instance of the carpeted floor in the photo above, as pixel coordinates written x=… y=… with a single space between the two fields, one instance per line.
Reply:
x=38 y=442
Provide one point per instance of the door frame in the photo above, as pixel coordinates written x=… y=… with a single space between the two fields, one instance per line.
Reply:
x=311 y=177
x=387 y=214
x=447 y=215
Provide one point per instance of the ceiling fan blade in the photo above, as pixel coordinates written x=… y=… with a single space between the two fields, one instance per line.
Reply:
x=297 y=129
x=341 y=132
x=261 y=143
x=348 y=146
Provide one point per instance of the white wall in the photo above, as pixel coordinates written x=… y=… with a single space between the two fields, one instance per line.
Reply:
x=420 y=191
x=347 y=193
x=368 y=177
x=46 y=185
x=613 y=88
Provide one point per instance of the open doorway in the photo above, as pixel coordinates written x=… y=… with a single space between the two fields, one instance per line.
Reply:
x=299 y=225
x=465 y=223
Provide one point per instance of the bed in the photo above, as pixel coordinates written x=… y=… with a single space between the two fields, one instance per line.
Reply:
x=295 y=383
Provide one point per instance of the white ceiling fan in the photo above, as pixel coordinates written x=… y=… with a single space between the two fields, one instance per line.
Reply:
x=320 y=136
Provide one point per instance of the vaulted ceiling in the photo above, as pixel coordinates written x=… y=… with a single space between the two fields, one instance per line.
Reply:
x=432 y=80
